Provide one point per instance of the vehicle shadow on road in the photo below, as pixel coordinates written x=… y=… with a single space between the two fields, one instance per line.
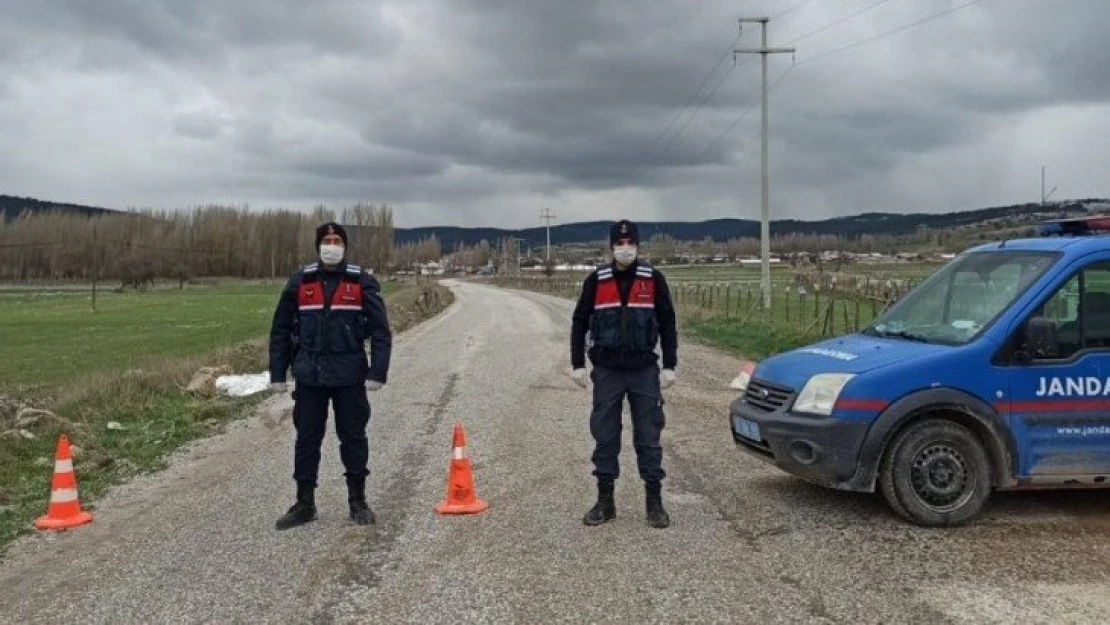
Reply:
x=796 y=493
x=1089 y=507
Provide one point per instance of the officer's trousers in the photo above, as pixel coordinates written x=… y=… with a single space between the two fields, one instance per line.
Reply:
x=645 y=398
x=310 y=417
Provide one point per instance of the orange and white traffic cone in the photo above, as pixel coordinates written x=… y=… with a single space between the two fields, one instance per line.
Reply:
x=740 y=382
x=460 y=497
x=64 y=510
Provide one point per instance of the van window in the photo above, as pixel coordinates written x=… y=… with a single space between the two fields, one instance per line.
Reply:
x=1080 y=310
x=961 y=299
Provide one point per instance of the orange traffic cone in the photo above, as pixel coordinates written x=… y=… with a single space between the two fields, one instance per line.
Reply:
x=740 y=382
x=64 y=511
x=460 y=498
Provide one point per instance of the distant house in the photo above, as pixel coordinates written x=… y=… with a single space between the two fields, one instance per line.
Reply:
x=431 y=269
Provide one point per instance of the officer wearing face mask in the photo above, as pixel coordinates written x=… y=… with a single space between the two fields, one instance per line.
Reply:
x=326 y=313
x=626 y=308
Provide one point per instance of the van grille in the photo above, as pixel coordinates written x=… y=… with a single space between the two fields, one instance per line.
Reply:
x=767 y=397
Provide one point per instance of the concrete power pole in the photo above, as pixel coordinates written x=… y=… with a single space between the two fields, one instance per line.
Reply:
x=1045 y=196
x=765 y=213
x=546 y=215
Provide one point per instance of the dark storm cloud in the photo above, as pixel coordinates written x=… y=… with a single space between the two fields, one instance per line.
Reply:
x=481 y=110
x=209 y=29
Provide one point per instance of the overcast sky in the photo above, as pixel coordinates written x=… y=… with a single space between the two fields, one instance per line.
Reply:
x=481 y=112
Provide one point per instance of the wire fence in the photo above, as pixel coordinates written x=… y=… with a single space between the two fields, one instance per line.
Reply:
x=805 y=306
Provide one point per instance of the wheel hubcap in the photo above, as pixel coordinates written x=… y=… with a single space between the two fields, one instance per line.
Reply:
x=941 y=478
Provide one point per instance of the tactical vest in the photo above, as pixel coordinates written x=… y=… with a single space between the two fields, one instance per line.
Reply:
x=334 y=326
x=629 y=327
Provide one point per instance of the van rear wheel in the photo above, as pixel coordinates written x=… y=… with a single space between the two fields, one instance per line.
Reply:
x=936 y=473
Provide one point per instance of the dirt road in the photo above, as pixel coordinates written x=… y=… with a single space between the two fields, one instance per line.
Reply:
x=748 y=544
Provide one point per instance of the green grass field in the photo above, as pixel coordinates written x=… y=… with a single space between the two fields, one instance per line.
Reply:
x=785 y=273
x=51 y=337
x=128 y=363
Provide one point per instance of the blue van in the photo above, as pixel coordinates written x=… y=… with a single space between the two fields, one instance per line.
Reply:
x=993 y=373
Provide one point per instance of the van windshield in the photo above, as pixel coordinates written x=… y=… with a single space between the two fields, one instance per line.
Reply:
x=962 y=298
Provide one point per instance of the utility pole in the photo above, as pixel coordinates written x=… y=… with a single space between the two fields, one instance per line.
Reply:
x=96 y=266
x=765 y=214
x=547 y=216
x=1044 y=196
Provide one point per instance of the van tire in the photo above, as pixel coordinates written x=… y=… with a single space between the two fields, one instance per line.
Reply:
x=936 y=473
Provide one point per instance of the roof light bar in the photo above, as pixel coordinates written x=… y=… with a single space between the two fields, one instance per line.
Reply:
x=1078 y=226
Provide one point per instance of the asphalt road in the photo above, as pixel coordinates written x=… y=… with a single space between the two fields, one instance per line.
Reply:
x=195 y=543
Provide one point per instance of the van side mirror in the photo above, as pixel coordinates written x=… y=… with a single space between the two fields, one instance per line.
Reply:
x=1040 y=339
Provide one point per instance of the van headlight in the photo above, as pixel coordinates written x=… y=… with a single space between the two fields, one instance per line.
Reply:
x=819 y=394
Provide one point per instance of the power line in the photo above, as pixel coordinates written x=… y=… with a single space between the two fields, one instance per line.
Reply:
x=694 y=97
x=838 y=21
x=713 y=91
x=752 y=107
x=816 y=31
x=699 y=107
x=740 y=118
x=889 y=32
x=789 y=9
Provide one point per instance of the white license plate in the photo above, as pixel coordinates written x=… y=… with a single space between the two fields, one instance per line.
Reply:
x=746 y=428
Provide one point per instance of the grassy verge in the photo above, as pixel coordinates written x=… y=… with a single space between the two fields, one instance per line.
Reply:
x=738 y=323
x=747 y=340
x=114 y=381
x=732 y=319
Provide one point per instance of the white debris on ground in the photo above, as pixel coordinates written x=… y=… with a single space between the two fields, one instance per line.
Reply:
x=243 y=385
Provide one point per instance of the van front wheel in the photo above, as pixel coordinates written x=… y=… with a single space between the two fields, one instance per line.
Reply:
x=936 y=473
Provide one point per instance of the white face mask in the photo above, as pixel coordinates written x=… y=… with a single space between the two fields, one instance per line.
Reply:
x=624 y=254
x=331 y=254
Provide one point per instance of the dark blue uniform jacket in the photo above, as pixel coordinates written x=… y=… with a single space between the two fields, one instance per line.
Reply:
x=321 y=326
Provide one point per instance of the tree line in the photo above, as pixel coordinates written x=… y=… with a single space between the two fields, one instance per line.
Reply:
x=139 y=247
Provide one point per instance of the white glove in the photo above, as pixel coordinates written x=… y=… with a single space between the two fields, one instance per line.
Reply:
x=579 y=377
x=279 y=387
x=374 y=385
x=667 y=379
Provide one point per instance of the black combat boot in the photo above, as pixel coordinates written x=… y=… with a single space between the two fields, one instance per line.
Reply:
x=361 y=513
x=303 y=511
x=604 y=510
x=656 y=515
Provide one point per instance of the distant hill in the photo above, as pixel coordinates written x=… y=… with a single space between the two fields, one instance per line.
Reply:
x=11 y=207
x=719 y=229
x=724 y=229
